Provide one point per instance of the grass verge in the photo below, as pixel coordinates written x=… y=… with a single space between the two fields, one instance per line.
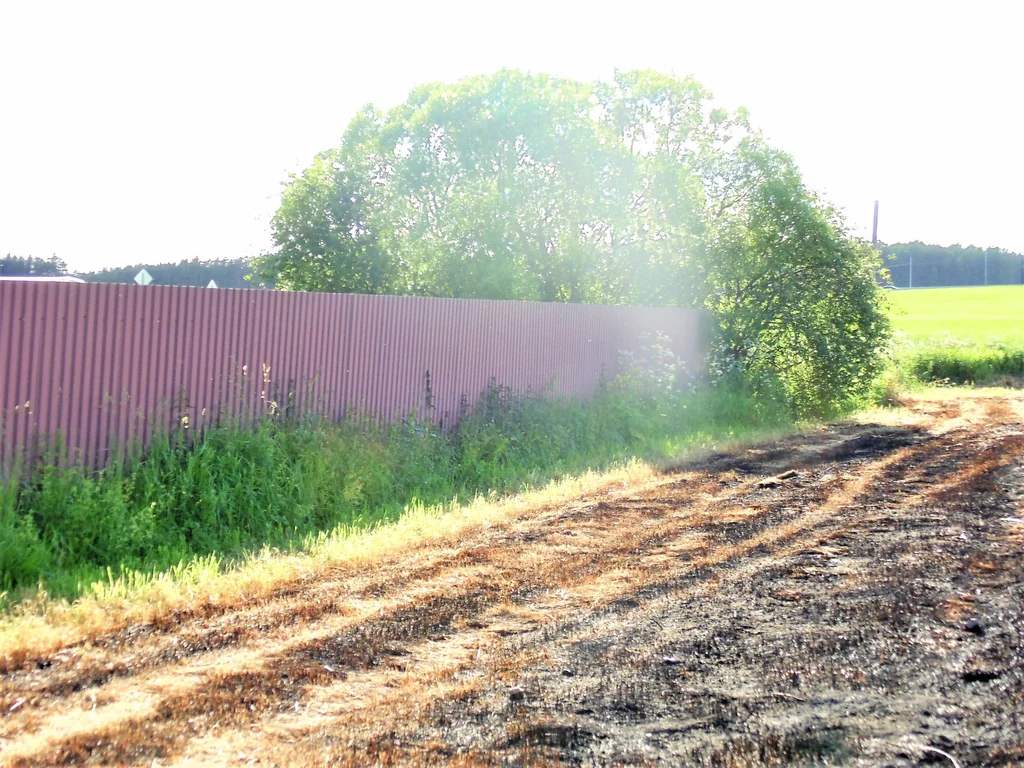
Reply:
x=967 y=335
x=958 y=361
x=942 y=361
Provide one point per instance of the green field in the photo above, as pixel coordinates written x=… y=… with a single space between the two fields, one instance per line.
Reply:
x=960 y=335
x=979 y=314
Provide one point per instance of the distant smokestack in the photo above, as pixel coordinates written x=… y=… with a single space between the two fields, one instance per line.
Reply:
x=874 y=227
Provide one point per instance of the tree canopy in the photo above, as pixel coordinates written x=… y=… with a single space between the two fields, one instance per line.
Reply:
x=638 y=191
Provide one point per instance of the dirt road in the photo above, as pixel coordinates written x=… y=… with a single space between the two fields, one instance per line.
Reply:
x=851 y=595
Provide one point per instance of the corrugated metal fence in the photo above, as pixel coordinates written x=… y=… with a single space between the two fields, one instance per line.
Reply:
x=99 y=364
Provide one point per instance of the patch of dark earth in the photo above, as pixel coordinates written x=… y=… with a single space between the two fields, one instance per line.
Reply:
x=896 y=638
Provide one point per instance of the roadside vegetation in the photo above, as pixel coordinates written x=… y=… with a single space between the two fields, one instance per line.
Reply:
x=283 y=485
x=971 y=335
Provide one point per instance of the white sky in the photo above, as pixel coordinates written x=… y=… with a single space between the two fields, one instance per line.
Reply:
x=155 y=131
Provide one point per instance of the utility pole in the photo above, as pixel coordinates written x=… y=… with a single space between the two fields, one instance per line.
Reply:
x=874 y=227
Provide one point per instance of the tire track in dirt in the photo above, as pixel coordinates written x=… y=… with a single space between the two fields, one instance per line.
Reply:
x=231 y=631
x=700 y=567
x=383 y=750
x=107 y=717
x=199 y=697
x=82 y=684
x=494 y=729
x=715 y=524
x=750 y=555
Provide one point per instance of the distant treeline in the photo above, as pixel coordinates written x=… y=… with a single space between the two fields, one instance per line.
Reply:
x=227 y=273
x=29 y=266
x=935 y=265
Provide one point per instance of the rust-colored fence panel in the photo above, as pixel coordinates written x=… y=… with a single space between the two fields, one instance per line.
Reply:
x=99 y=364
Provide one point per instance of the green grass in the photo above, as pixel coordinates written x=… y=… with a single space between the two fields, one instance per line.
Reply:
x=959 y=335
x=978 y=314
x=238 y=491
x=964 y=362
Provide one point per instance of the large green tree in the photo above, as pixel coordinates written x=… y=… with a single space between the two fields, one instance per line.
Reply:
x=639 y=191
x=324 y=242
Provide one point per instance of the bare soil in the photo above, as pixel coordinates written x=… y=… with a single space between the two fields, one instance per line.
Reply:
x=853 y=595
